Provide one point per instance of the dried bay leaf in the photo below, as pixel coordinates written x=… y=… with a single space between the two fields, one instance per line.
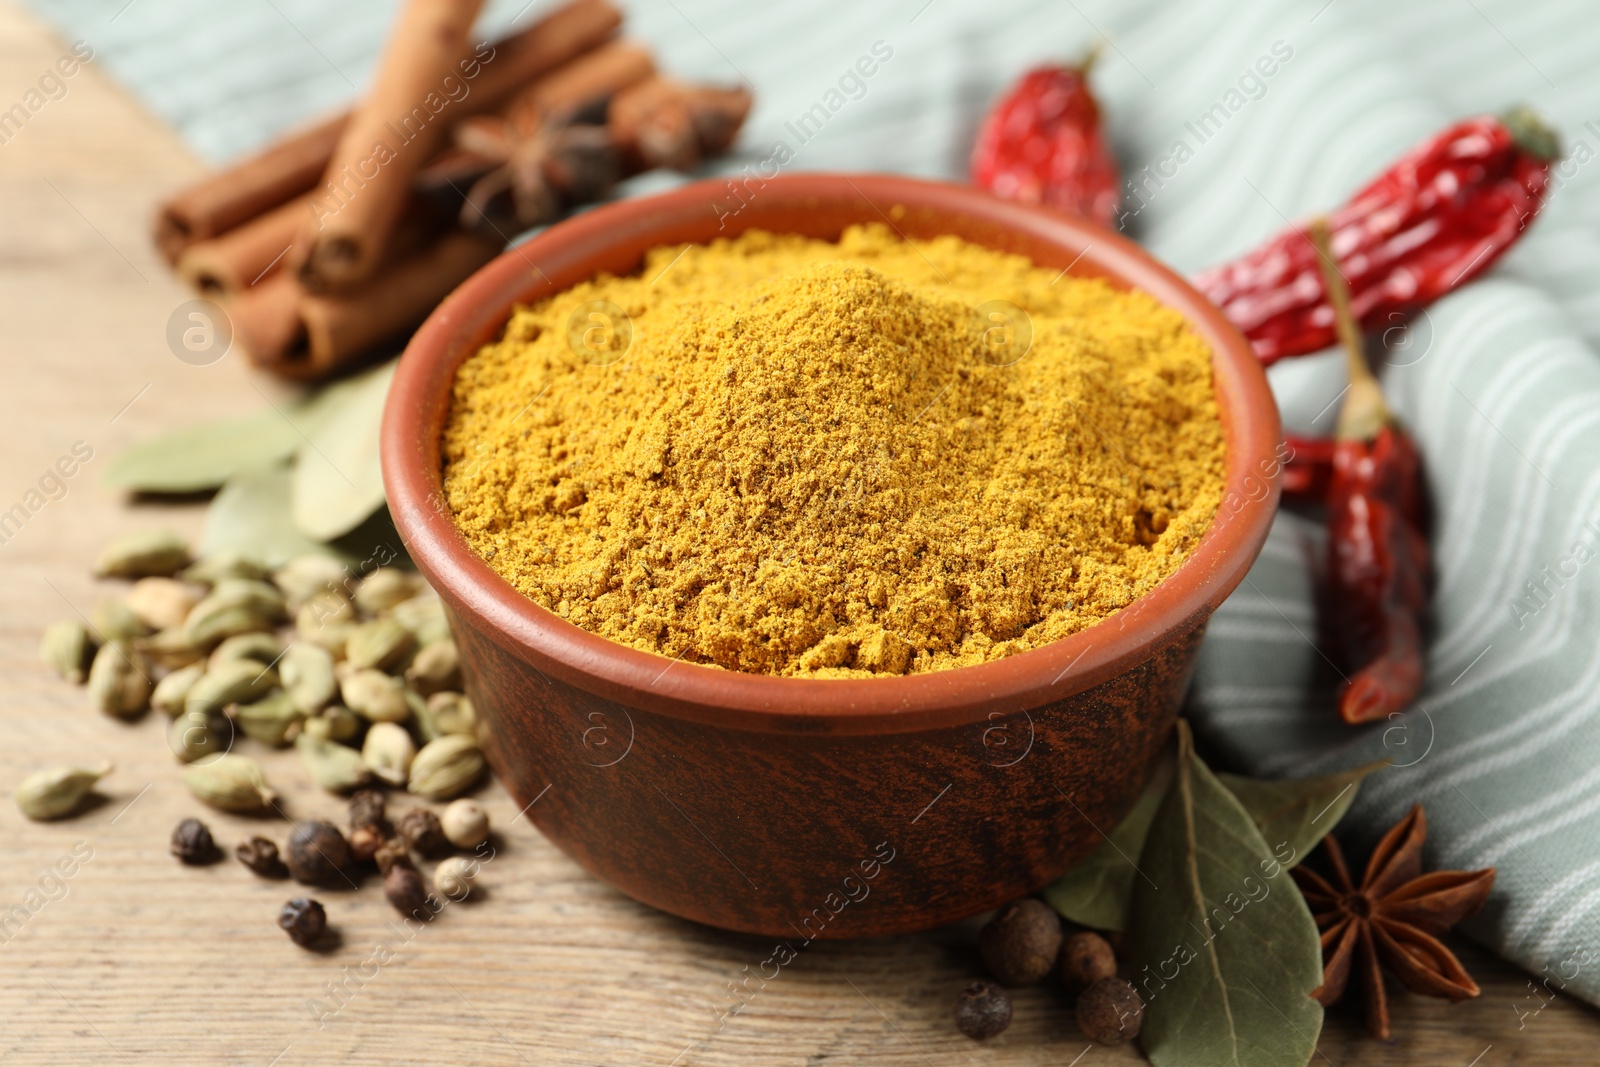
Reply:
x=1293 y=814
x=198 y=458
x=1296 y=813
x=1097 y=892
x=337 y=482
x=202 y=457
x=250 y=516
x=1222 y=947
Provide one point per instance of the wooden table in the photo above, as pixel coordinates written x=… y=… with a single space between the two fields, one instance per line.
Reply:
x=136 y=958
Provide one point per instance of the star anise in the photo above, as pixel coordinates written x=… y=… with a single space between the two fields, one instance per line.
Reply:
x=534 y=163
x=1392 y=918
x=529 y=174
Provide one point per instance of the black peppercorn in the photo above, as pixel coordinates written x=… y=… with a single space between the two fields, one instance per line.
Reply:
x=261 y=856
x=318 y=853
x=192 y=843
x=1086 y=957
x=422 y=831
x=1110 y=1011
x=303 y=919
x=367 y=808
x=405 y=890
x=1021 y=943
x=983 y=1010
x=392 y=853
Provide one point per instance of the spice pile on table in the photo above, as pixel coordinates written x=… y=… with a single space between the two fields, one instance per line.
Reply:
x=1160 y=929
x=338 y=238
x=357 y=671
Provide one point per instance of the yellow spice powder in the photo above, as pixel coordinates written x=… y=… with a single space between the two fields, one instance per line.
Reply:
x=819 y=459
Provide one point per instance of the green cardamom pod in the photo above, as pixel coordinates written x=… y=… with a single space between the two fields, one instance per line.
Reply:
x=147 y=553
x=221 y=565
x=335 y=723
x=424 y=616
x=388 y=752
x=384 y=588
x=161 y=603
x=421 y=717
x=272 y=720
x=199 y=733
x=445 y=768
x=260 y=648
x=239 y=682
x=326 y=620
x=234 y=606
x=307 y=576
x=255 y=593
x=375 y=696
x=68 y=649
x=452 y=713
x=113 y=620
x=230 y=783
x=306 y=671
x=56 y=792
x=169 y=649
x=335 y=767
x=120 y=680
x=381 y=643
x=210 y=623
x=172 y=692
x=435 y=667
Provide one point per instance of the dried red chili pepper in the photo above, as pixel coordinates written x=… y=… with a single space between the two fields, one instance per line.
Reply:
x=1377 y=553
x=1308 y=468
x=1437 y=218
x=1042 y=143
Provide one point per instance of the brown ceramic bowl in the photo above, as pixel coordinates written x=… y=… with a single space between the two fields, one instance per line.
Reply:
x=802 y=808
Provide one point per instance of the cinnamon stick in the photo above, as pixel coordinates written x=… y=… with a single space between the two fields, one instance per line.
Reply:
x=581 y=85
x=242 y=256
x=265 y=180
x=584 y=84
x=387 y=140
x=266 y=320
x=558 y=38
x=296 y=163
x=493 y=176
x=307 y=336
x=661 y=122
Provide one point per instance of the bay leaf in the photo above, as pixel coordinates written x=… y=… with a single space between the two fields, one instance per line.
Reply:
x=1222 y=947
x=1293 y=814
x=337 y=482
x=198 y=458
x=374 y=543
x=1097 y=891
x=250 y=516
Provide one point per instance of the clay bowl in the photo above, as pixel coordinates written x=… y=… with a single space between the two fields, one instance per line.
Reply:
x=802 y=808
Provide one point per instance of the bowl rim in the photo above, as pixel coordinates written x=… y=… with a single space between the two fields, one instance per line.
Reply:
x=478 y=309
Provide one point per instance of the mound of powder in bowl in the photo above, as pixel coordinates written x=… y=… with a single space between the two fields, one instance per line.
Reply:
x=797 y=457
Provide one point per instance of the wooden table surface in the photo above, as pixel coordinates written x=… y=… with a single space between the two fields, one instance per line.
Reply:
x=133 y=957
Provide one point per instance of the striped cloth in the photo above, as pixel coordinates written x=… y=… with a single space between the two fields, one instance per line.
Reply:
x=1500 y=382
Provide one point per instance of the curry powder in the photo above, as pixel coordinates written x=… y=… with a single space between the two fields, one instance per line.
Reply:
x=796 y=457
